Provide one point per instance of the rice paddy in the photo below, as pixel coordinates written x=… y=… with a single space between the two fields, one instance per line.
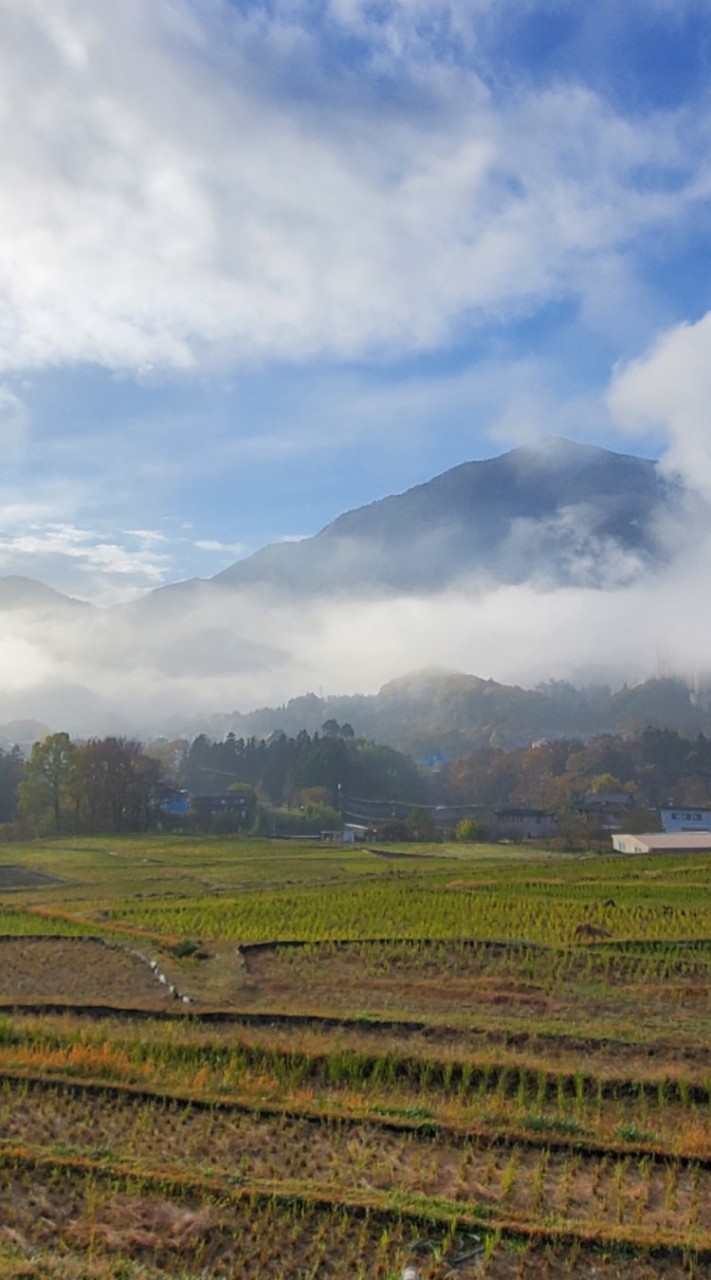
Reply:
x=237 y=1058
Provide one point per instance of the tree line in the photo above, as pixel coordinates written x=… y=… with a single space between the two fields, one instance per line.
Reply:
x=115 y=784
x=653 y=766
x=281 y=768
x=104 y=785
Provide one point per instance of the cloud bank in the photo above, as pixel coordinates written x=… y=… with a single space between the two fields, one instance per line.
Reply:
x=139 y=668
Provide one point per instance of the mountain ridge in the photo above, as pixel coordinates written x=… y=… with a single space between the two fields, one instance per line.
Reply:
x=558 y=512
x=566 y=513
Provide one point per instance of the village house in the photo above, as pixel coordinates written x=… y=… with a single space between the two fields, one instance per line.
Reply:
x=685 y=818
x=522 y=822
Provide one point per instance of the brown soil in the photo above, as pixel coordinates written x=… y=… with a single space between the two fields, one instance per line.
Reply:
x=78 y=970
x=339 y=981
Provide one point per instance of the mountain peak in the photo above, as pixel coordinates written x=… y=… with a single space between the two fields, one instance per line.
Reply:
x=554 y=511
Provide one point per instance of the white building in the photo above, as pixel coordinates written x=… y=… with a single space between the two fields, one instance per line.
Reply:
x=663 y=842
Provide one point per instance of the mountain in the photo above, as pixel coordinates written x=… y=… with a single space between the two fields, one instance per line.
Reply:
x=433 y=712
x=18 y=593
x=558 y=513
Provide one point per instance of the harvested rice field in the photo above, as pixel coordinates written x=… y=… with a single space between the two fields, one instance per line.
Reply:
x=530 y=1103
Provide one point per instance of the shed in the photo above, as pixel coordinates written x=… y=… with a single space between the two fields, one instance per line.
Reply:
x=663 y=842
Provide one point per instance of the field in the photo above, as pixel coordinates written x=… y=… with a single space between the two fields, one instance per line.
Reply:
x=257 y=1059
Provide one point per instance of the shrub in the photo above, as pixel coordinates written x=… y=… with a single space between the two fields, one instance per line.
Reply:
x=468 y=831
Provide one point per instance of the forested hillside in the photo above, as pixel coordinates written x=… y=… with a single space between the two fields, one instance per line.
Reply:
x=449 y=713
x=653 y=767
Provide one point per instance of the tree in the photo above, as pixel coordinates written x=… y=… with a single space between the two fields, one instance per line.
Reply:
x=11 y=771
x=468 y=831
x=47 y=792
x=248 y=804
x=422 y=825
x=116 y=784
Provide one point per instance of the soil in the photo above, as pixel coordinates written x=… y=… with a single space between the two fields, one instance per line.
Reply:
x=17 y=877
x=77 y=971
x=337 y=981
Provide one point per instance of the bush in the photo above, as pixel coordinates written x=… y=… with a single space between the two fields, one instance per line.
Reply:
x=468 y=831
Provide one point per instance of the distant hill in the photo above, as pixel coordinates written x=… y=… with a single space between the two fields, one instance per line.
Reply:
x=26 y=593
x=560 y=513
x=434 y=712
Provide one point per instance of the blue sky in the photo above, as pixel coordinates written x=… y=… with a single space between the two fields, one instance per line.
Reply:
x=261 y=263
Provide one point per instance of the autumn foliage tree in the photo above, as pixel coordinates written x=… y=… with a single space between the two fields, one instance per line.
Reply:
x=104 y=785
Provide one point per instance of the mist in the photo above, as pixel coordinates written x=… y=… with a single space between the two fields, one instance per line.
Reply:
x=137 y=669
x=563 y=601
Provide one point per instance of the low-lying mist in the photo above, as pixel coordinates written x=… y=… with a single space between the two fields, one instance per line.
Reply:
x=567 y=598
x=212 y=649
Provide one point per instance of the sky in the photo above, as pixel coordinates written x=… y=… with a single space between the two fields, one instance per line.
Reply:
x=261 y=263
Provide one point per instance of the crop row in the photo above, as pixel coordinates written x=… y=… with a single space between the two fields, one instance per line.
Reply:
x=466 y=957
x=402 y=909
x=504 y=1126
x=16 y=923
x=663 y=1114
x=96 y=1213
x=627 y=1199
x=350 y=1067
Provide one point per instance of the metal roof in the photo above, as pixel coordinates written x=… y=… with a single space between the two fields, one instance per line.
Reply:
x=669 y=839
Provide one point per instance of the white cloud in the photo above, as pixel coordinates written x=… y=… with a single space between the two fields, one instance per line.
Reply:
x=147 y=536
x=14 y=426
x=669 y=390
x=174 y=189
x=81 y=561
x=232 y=548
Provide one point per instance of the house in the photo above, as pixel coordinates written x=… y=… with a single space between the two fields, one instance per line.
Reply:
x=521 y=822
x=206 y=806
x=685 y=818
x=606 y=809
x=357 y=831
x=663 y=842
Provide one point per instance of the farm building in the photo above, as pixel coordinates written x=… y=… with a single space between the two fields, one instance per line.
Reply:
x=685 y=818
x=663 y=842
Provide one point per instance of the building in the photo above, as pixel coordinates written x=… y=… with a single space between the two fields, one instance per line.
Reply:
x=206 y=806
x=605 y=809
x=172 y=800
x=685 y=818
x=663 y=842
x=521 y=822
